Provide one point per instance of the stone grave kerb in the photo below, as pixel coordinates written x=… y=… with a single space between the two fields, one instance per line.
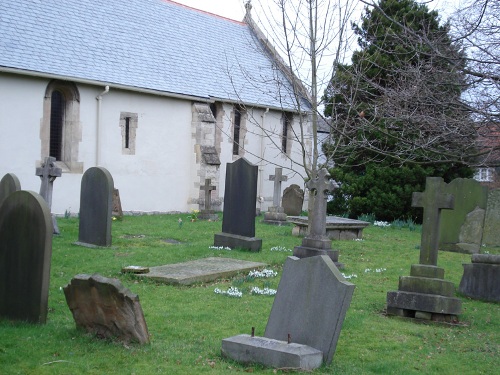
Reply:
x=8 y=185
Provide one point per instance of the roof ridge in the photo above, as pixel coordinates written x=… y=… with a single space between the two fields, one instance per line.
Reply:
x=206 y=12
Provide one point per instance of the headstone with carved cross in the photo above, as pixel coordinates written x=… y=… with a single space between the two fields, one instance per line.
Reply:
x=425 y=294
x=317 y=242
x=276 y=214
x=207 y=213
x=48 y=172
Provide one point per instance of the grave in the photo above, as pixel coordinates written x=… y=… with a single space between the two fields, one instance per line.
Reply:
x=25 y=254
x=206 y=213
x=491 y=234
x=481 y=278
x=104 y=307
x=8 y=185
x=200 y=270
x=293 y=199
x=95 y=208
x=425 y=294
x=305 y=321
x=240 y=195
x=48 y=172
x=117 y=211
x=276 y=214
x=337 y=228
x=316 y=242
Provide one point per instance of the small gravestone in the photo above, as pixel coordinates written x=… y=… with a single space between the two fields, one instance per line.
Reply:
x=425 y=294
x=238 y=220
x=95 y=208
x=8 y=185
x=317 y=242
x=481 y=278
x=293 y=199
x=206 y=213
x=276 y=214
x=117 y=211
x=48 y=172
x=25 y=252
x=106 y=308
x=491 y=234
x=305 y=320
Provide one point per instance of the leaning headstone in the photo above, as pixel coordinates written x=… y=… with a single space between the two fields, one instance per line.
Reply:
x=238 y=220
x=95 y=208
x=8 y=185
x=117 y=211
x=425 y=294
x=491 y=234
x=276 y=214
x=293 y=199
x=481 y=278
x=305 y=320
x=104 y=307
x=317 y=242
x=206 y=213
x=48 y=172
x=25 y=252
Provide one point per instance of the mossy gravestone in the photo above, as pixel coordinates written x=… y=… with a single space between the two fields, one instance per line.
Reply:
x=25 y=253
x=8 y=185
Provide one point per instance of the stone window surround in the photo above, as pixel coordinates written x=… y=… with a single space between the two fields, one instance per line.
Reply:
x=133 y=125
x=243 y=130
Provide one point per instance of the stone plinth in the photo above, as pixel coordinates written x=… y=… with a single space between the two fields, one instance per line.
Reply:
x=235 y=241
x=481 y=278
x=337 y=228
x=275 y=216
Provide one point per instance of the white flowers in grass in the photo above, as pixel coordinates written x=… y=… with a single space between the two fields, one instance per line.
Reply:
x=265 y=273
x=280 y=248
x=263 y=292
x=382 y=224
x=348 y=277
x=231 y=292
x=378 y=270
x=219 y=248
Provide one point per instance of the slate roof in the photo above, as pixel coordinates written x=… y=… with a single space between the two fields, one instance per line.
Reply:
x=154 y=45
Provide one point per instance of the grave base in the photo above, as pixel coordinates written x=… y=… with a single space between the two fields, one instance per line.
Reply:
x=480 y=278
x=208 y=215
x=271 y=353
x=430 y=303
x=422 y=315
x=235 y=241
x=306 y=252
x=275 y=216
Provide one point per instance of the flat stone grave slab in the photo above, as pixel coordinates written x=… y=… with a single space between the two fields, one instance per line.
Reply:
x=200 y=270
x=337 y=228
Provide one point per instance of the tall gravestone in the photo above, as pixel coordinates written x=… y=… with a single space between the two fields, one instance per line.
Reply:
x=96 y=201
x=276 y=213
x=238 y=221
x=48 y=172
x=25 y=253
x=425 y=294
x=8 y=185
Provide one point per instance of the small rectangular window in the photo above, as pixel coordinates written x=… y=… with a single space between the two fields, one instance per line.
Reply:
x=484 y=175
x=127 y=132
x=286 y=121
x=236 y=131
x=128 y=123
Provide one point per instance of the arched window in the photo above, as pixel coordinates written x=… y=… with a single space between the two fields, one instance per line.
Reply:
x=57 y=106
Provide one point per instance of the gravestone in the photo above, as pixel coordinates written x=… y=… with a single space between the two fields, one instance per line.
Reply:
x=305 y=320
x=276 y=214
x=117 y=205
x=293 y=199
x=95 y=208
x=317 y=242
x=238 y=220
x=491 y=234
x=481 y=278
x=48 y=172
x=8 y=185
x=206 y=213
x=462 y=228
x=25 y=252
x=425 y=294
x=104 y=307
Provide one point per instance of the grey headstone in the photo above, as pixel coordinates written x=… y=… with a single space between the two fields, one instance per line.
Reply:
x=25 y=254
x=117 y=205
x=8 y=185
x=491 y=234
x=96 y=207
x=293 y=199
x=106 y=308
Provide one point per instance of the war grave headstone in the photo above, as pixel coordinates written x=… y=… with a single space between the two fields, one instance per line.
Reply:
x=276 y=214
x=25 y=254
x=293 y=199
x=491 y=234
x=8 y=185
x=117 y=211
x=462 y=228
x=425 y=294
x=305 y=321
x=104 y=307
x=95 y=208
x=481 y=278
x=48 y=172
x=207 y=213
x=240 y=195
x=316 y=242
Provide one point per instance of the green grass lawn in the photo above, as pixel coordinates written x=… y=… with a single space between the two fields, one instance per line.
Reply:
x=187 y=324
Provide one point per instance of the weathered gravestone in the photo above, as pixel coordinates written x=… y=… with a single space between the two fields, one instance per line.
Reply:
x=491 y=232
x=481 y=278
x=462 y=228
x=117 y=211
x=96 y=208
x=25 y=252
x=317 y=242
x=305 y=320
x=276 y=213
x=238 y=220
x=206 y=213
x=293 y=199
x=425 y=294
x=106 y=308
x=48 y=172
x=8 y=185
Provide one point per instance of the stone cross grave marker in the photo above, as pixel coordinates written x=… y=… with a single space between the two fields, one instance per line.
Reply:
x=25 y=252
x=433 y=200
x=48 y=172
x=8 y=185
x=276 y=214
x=96 y=203
x=277 y=178
x=208 y=193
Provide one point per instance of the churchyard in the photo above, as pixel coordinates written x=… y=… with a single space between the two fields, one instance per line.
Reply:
x=188 y=323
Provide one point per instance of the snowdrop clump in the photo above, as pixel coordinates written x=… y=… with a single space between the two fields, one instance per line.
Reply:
x=264 y=292
x=280 y=248
x=348 y=277
x=382 y=224
x=378 y=270
x=231 y=292
x=219 y=248
x=265 y=273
